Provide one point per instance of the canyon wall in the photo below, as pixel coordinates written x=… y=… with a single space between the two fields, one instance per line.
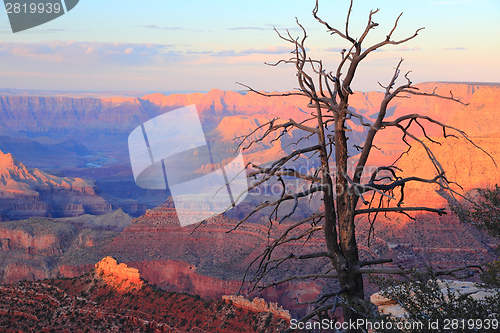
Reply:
x=27 y=192
x=211 y=261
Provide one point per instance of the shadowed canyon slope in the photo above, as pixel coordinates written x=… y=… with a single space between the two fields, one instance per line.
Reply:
x=28 y=192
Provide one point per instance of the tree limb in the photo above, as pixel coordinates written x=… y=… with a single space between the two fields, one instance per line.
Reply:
x=440 y=211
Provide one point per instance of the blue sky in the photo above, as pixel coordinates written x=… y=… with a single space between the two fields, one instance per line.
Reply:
x=199 y=45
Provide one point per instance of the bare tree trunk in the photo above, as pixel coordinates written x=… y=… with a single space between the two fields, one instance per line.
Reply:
x=348 y=276
x=344 y=258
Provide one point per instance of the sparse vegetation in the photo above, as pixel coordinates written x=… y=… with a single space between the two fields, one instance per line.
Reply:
x=483 y=212
x=424 y=301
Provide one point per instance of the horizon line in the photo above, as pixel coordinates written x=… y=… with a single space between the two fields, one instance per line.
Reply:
x=7 y=92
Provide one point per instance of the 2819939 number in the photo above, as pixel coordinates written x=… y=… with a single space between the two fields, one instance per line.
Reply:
x=32 y=8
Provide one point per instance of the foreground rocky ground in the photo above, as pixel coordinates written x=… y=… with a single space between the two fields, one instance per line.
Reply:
x=114 y=298
x=211 y=262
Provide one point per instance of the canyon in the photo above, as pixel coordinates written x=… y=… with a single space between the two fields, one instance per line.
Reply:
x=83 y=141
x=113 y=297
x=32 y=192
x=87 y=137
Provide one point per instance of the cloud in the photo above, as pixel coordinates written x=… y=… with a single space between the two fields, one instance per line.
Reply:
x=391 y=59
x=339 y=49
x=53 y=30
x=406 y=48
x=450 y=2
x=153 y=26
x=199 y=52
x=116 y=54
x=88 y=52
x=269 y=50
x=455 y=48
x=248 y=28
x=334 y=49
x=36 y=30
x=284 y=28
x=267 y=27
x=226 y=53
x=24 y=49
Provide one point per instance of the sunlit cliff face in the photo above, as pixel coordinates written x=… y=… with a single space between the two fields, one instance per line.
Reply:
x=119 y=276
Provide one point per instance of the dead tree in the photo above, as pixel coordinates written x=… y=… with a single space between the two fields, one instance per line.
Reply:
x=343 y=191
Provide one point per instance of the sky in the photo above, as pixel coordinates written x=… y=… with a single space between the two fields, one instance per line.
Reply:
x=198 y=45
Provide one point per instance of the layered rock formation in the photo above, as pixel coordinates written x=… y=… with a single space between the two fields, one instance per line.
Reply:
x=28 y=192
x=208 y=262
x=93 y=131
x=15 y=178
x=118 y=276
x=259 y=305
x=38 y=248
x=467 y=166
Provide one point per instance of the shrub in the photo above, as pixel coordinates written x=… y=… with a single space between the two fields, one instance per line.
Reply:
x=425 y=302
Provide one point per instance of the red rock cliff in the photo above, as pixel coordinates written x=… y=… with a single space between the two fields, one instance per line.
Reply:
x=119 y=276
